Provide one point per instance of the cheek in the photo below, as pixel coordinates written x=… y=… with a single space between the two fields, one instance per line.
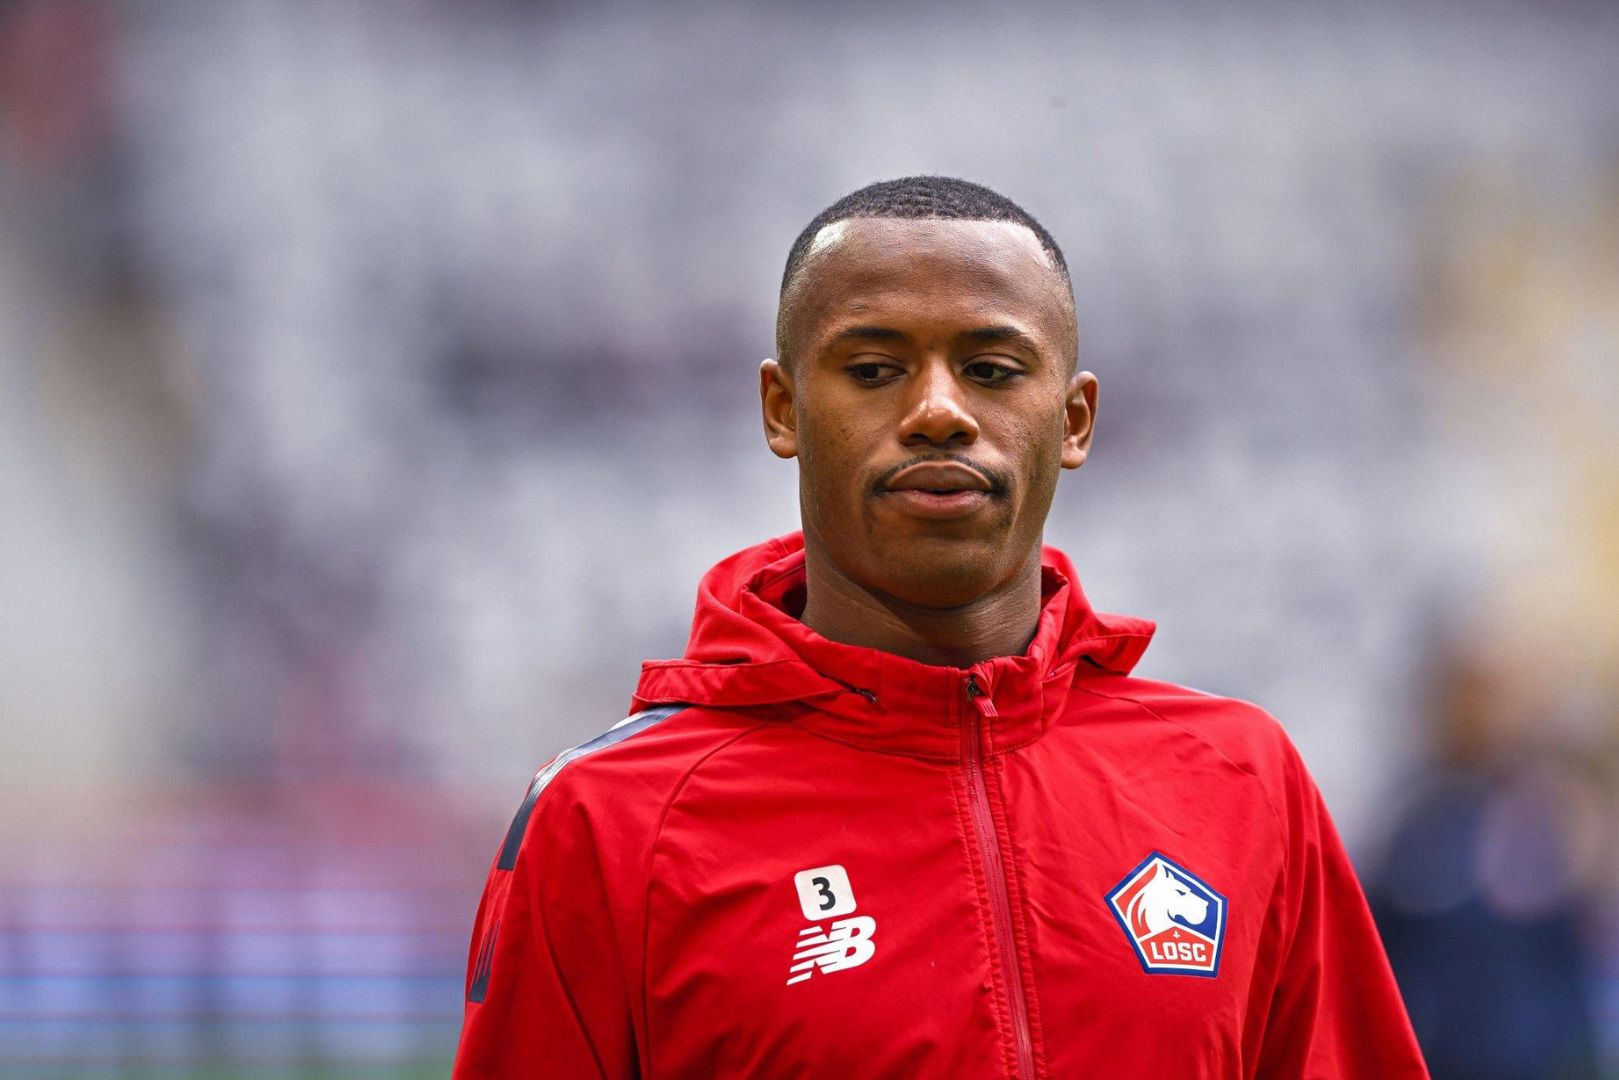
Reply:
x=835 y=436
x=1042 y=463
x=829 y=459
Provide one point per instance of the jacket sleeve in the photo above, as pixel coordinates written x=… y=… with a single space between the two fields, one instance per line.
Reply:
x=1336 y=1010
x=544 y=994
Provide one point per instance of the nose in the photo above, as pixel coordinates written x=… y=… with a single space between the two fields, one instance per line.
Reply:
x=937 y=410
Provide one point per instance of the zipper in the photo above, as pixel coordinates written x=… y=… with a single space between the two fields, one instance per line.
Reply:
x=1000 y=901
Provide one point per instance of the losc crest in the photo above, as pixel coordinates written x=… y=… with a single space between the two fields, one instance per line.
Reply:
x=1173 y=919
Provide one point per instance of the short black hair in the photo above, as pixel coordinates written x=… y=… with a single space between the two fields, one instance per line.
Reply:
x=921 y=197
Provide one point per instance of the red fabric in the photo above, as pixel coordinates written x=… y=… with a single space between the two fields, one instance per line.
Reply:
x=652 y=919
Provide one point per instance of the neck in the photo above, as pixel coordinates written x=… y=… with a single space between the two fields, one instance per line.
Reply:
x=1002 y=622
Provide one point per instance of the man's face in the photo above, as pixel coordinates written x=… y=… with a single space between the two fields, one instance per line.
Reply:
x=925 y=390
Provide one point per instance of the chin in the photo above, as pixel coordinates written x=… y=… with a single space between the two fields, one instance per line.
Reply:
x=942 y=575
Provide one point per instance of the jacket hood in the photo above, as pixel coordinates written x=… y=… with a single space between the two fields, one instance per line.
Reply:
x=748 y=648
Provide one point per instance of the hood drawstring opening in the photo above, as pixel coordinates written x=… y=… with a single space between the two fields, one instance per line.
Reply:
x=869 y=695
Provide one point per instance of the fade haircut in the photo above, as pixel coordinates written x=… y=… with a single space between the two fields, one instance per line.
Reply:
x=944 y=198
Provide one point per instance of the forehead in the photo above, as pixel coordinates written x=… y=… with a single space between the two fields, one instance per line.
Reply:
x=928 y=269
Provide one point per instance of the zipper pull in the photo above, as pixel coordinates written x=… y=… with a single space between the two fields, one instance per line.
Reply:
x=986 y=707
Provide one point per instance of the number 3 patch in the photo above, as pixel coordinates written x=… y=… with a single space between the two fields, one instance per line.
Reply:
x=824 y=892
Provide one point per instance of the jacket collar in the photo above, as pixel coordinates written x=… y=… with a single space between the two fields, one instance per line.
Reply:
x=748 y=648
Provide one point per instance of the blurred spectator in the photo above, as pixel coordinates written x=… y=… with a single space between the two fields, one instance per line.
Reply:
x=1485 y=894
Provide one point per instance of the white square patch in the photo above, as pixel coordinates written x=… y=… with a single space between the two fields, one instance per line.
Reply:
x=824 y=892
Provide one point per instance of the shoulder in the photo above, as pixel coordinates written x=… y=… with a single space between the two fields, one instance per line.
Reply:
x=610 y=790
x=1242 y=732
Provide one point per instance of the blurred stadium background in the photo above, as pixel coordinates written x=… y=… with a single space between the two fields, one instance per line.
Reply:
x=377 y=379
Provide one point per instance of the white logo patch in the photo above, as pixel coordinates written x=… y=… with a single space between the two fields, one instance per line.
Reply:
x=824 y=893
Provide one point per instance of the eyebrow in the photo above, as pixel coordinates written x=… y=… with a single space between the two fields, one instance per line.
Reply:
x=986 y=334
x=868 y=333
x=1003 y=333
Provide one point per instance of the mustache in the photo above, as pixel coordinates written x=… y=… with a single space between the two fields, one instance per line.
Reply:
x=999 y=482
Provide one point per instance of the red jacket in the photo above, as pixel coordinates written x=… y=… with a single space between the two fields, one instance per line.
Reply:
x=804 y=858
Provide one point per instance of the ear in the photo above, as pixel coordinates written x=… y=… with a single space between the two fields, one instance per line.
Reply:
x=1079 y=419
x=776 y=400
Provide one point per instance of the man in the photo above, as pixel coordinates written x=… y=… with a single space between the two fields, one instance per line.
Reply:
x=901 y=810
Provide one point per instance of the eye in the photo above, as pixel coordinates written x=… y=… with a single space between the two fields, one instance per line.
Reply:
x=990 y=372
x=869 y=372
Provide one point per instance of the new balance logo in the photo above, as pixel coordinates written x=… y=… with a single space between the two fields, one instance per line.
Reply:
x=823 y=893
x=848 y=944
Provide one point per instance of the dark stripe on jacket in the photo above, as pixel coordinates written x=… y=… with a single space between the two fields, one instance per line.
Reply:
x=630 y=725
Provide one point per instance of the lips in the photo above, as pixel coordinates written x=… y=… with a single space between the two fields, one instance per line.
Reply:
x=938 y=490
x=939 y=477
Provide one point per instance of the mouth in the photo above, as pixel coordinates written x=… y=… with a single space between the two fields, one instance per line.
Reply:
x=940 y=490
x=937 y=504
